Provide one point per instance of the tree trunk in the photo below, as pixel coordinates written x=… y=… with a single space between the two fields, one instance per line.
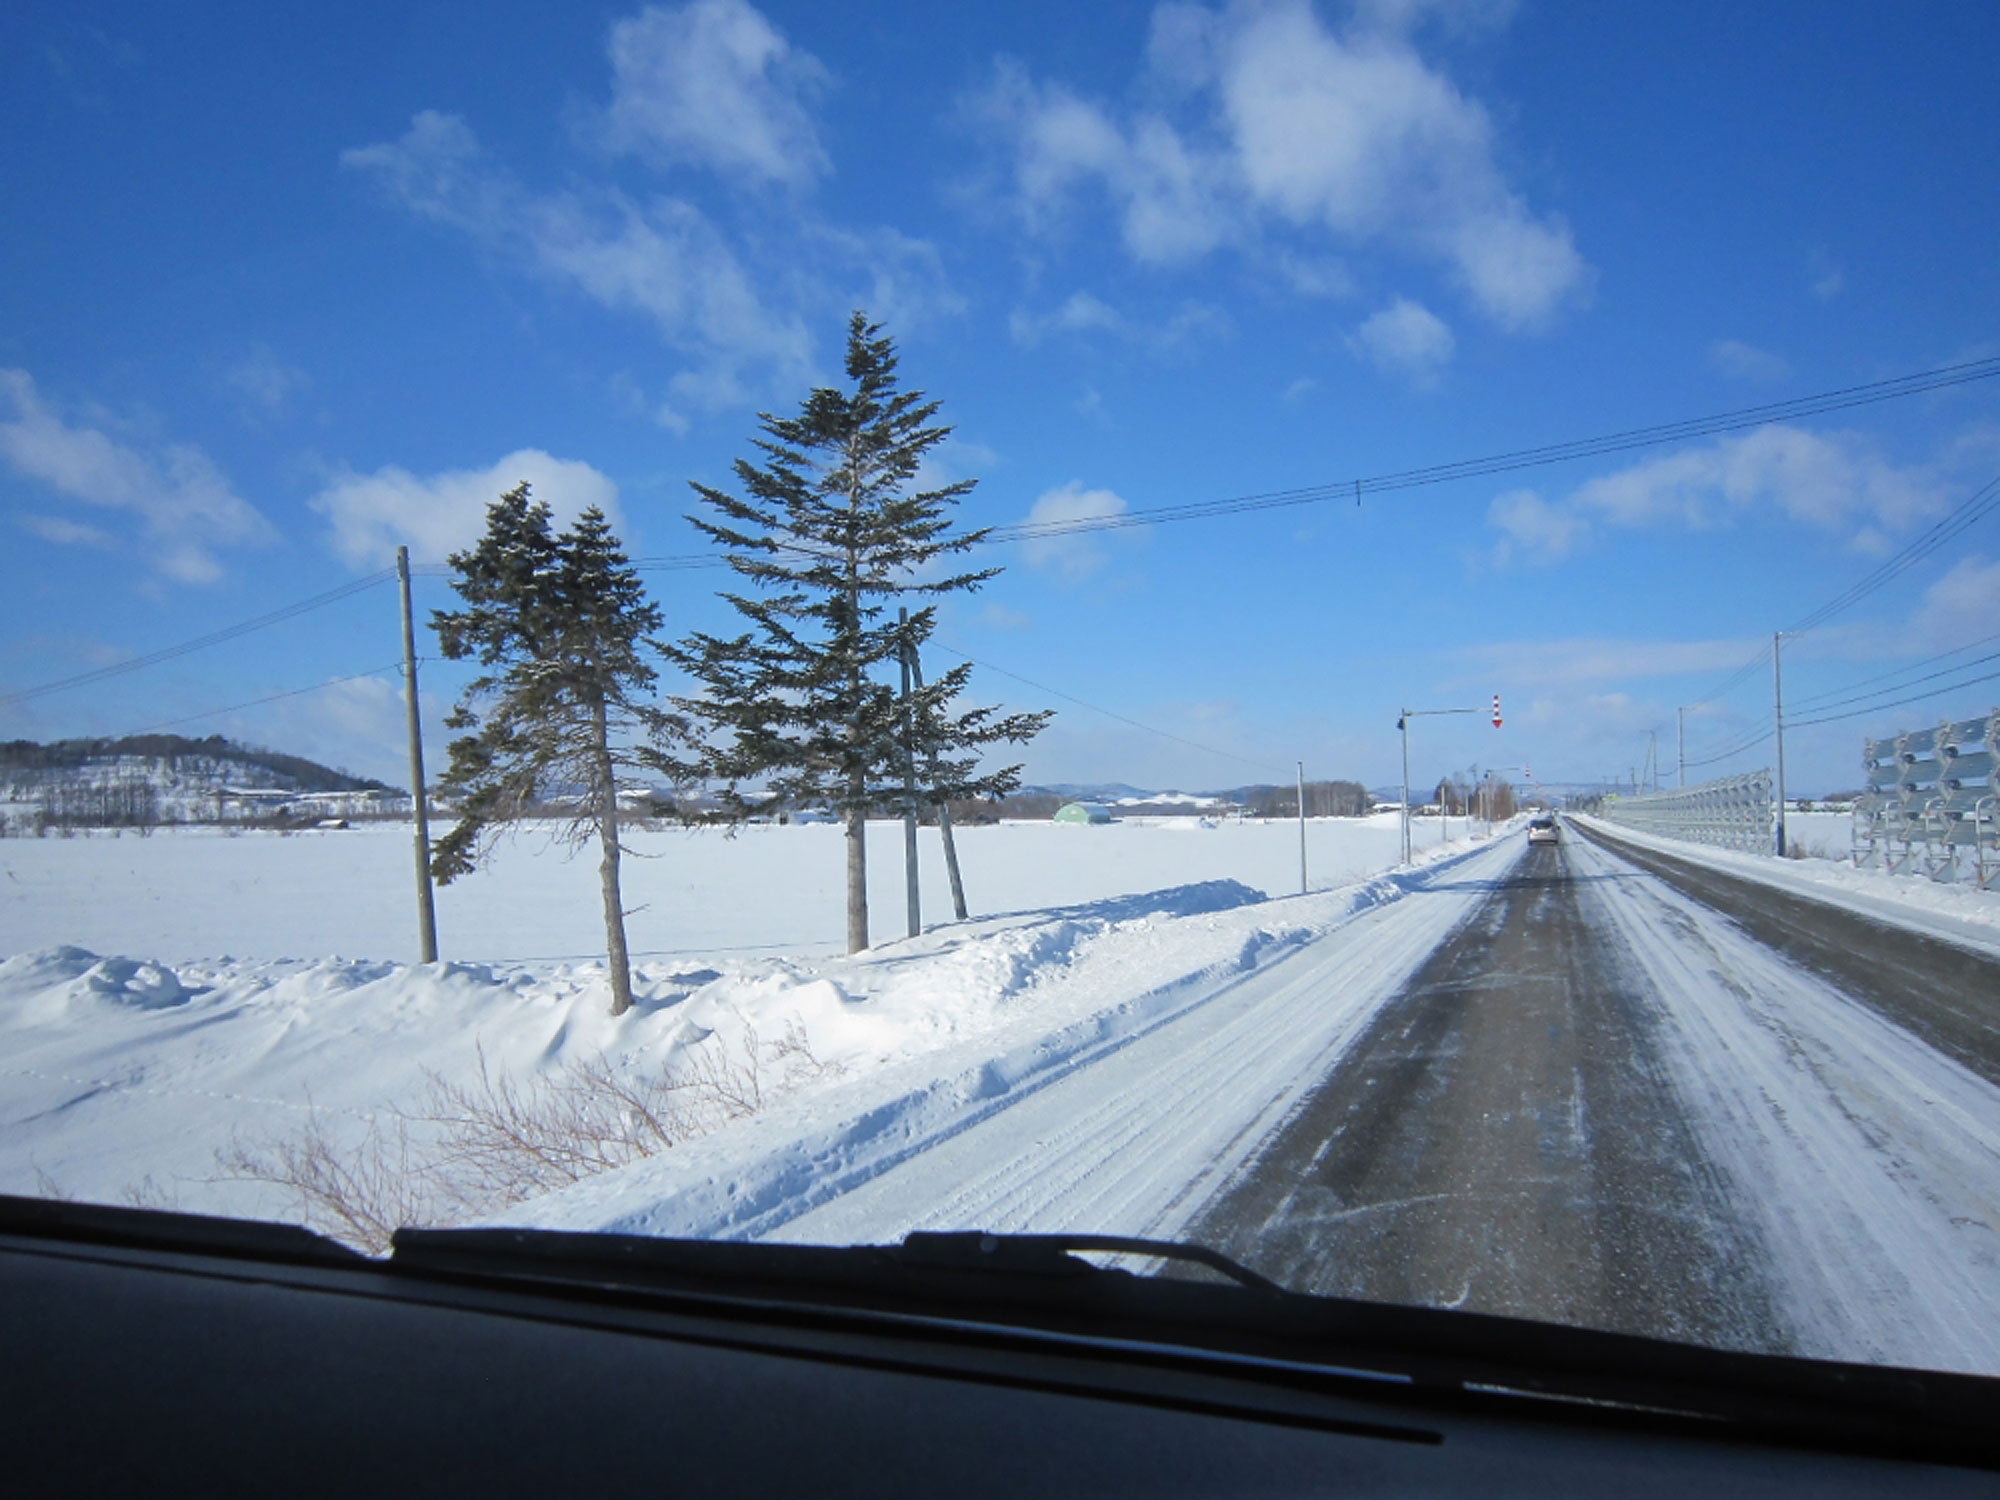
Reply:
x=857 y=770
x=617 y=960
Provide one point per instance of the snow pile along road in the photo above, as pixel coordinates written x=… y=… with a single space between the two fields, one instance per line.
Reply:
x=123 y=1078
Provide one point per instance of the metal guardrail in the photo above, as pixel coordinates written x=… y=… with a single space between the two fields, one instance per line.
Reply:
x=1734 y=813
x=1933 y=806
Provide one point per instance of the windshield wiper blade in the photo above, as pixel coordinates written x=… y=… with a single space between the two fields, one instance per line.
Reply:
x=974 y=1249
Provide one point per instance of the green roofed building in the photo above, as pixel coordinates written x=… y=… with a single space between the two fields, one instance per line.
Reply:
x=1083 y=812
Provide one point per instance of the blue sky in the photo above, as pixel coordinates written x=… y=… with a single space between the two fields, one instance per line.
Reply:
x=281 y=290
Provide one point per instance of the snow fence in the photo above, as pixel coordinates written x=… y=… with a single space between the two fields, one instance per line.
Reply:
x=1736 y=812
x=1931 y=806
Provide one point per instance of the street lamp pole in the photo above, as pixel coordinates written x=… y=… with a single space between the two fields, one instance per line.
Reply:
x=1403 y=723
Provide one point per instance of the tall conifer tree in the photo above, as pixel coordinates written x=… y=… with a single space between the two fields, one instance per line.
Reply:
x=562 y=623
x=830 y=534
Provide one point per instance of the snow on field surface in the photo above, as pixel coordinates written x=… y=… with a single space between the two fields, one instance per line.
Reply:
x=199 y=894
x=1960 y=914
x=131 y=1051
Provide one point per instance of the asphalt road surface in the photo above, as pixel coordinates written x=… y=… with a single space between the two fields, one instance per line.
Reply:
x=1505 y=1138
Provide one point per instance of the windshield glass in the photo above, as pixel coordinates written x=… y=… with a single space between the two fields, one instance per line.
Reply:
x=1359 y=634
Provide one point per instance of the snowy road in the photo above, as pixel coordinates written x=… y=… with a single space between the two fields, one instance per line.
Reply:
x=1136 y=1139
x=1550 y=1085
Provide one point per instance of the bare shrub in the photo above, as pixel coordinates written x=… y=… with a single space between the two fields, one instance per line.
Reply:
x=360 y=1194
x=498 y=1141
x=476 y=1147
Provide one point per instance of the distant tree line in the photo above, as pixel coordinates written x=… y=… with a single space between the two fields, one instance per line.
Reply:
x=1324 y=799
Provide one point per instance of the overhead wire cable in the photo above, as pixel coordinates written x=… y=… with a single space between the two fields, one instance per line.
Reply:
x=1640 y=437
x=1899 y=703
x=1841 y=399
x=1962 y=518
x=1827 y=700
x=394 y=666
x=201 y=643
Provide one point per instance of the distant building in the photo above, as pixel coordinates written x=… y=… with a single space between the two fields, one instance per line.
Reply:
x=1083 y=812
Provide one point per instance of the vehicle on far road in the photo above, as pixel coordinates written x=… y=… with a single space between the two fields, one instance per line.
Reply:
x=1544 y=831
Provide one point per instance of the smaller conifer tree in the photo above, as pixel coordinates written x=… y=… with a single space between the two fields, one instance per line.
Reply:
x=562 y=624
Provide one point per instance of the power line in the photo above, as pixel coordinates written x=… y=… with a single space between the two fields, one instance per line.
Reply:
x=1620 y=442
x=1842 y=399
x=1733 y=751
x=1811 y=701
x=1963 y=517
x=1855 y=713
x=1898 y=687
x=1108 y=713
x=200 y=643
x=212 y=713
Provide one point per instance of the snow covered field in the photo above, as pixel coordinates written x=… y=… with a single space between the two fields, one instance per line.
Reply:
x=163 y=998
x=200 y=894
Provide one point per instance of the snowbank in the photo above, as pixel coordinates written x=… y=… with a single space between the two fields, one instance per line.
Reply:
x=125 y=1074
x=1957 y=913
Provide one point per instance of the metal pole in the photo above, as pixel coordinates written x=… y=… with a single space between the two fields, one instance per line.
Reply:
x=911 y=896
x=1302 y=826
x=427 y=928
x=1403 y=724
x=1681 y=718
x=1778 y=721
x=944 y=810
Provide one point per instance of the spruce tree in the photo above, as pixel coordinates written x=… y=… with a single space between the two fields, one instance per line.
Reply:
x=562 y=624
x=829 y=533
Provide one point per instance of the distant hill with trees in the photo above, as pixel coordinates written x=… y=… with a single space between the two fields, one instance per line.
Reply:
x=141 y=781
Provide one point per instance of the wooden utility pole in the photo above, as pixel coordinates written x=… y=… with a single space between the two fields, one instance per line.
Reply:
x=427 y=929
x=916 y=666
x=911 y=892
x=1302 y=826
x=1778 y=723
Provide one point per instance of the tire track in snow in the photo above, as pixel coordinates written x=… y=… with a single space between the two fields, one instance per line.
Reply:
x=1506 y=1137
x=1136 y=1139
x=1869 y=1160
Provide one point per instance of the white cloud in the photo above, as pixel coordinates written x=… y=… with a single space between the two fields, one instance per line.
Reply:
x=1533 y=530
x=661 y=258
x=716 y=85
x=1836 y=481
x=999 y=617
x=1073 y=556
x=1405 y=338
x=1286 y=124
x=1591 y=659
x=264 y=381
x=1827 y=479
x=1823 y=278
x=1081 y=314
x=1962 y=606
x=369 y=515
x=65 y=532
x=182 y=500
x=1741 y=361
